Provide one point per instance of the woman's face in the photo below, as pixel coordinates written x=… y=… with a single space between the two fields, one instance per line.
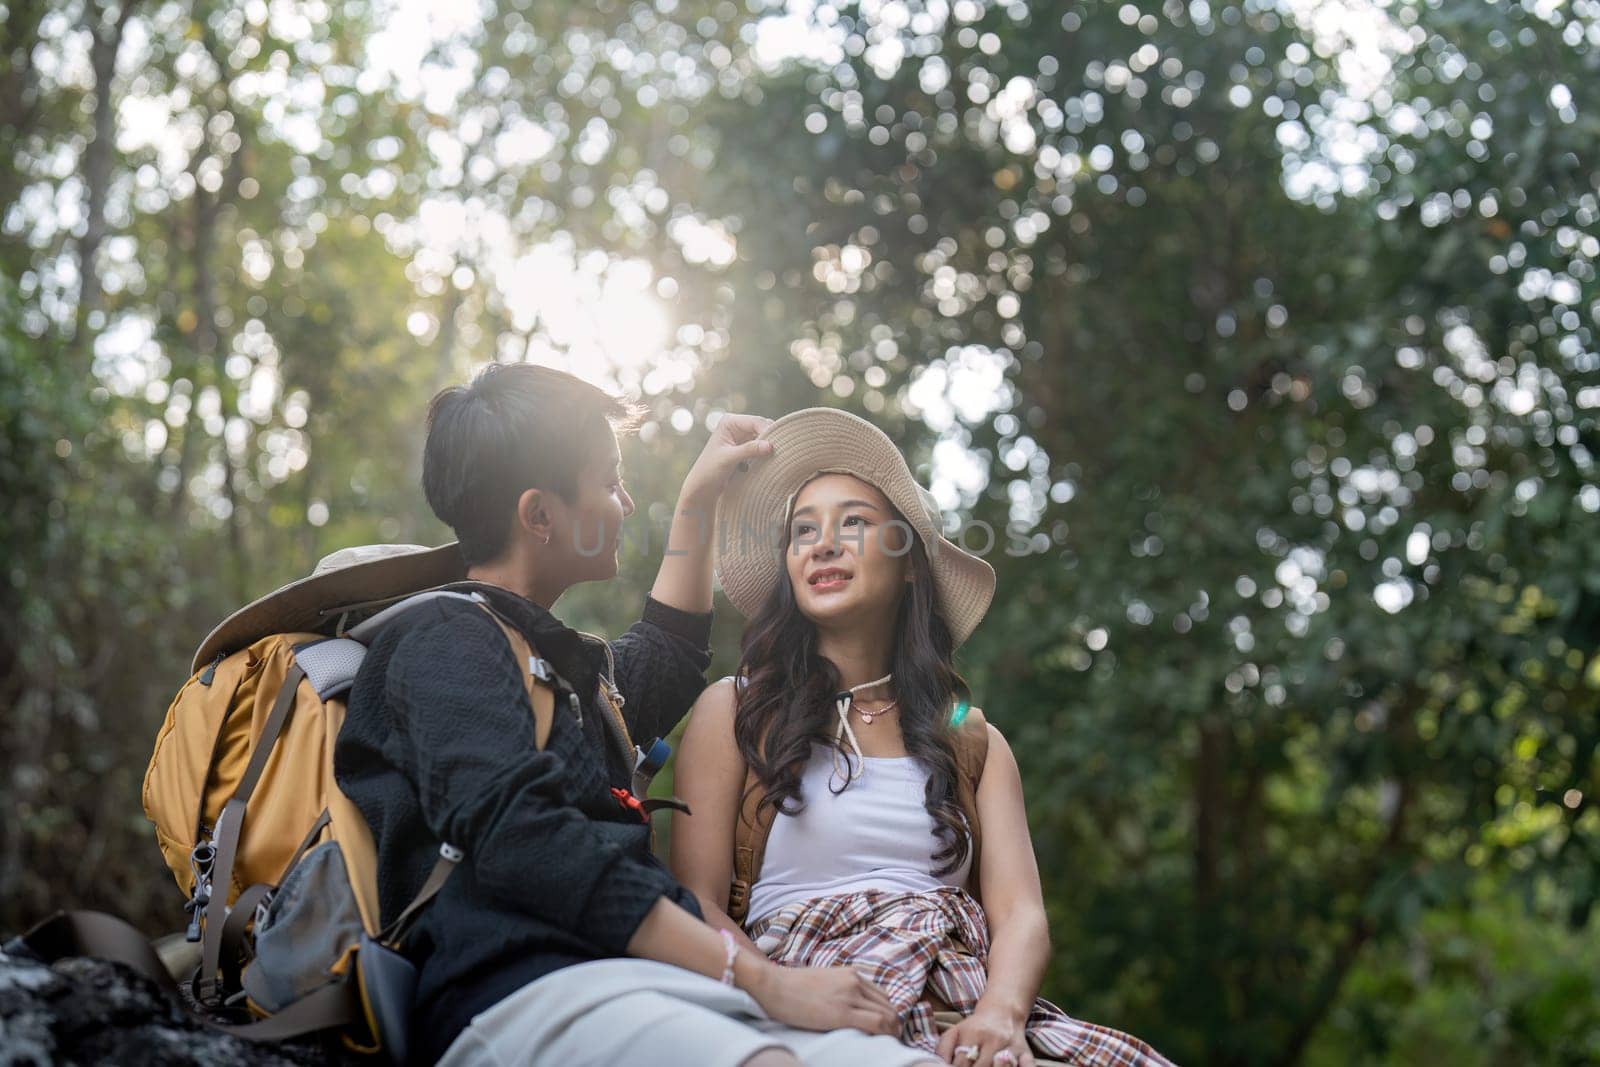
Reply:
x=847 y=552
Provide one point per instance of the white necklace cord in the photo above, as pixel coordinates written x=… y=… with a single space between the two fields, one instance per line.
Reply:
x=841 y=704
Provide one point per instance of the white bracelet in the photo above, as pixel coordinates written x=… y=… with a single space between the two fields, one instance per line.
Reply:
x=733 y=954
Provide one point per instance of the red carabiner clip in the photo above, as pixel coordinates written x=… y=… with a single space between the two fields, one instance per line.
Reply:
x=632 y=803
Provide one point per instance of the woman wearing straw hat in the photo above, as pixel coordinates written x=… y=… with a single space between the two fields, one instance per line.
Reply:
x=848 y=802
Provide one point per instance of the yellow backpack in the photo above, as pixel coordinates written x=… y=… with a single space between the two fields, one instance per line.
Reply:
x=278 y=865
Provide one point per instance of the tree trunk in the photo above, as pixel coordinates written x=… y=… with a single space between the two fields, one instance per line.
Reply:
x=1210 y=800
x=19 y=96
x=97 y=158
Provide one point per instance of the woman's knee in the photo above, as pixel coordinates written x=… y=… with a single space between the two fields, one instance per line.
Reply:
x=772 y=1057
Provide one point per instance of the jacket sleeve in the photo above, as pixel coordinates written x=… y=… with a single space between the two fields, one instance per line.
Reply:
x=483 y=786
x=661 y=663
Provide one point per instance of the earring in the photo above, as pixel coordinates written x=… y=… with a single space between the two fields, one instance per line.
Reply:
x=546 y=540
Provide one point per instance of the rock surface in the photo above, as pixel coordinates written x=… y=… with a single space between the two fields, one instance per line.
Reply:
x=90 y=1012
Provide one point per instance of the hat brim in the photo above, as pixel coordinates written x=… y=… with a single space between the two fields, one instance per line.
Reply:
x=302 y=605
x=752 y=516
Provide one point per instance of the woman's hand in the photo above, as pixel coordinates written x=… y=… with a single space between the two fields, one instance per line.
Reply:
x=992 y=1033
x=734 y=441
x=817 y=998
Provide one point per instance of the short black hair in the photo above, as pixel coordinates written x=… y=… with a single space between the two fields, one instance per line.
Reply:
x=515 y=427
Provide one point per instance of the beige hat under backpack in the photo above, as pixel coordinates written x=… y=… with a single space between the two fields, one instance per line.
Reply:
x=348 y=577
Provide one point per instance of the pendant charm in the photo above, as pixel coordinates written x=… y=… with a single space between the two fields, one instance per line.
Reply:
x=866 y=717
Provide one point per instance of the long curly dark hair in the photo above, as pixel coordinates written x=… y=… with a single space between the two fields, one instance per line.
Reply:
x=784 y=703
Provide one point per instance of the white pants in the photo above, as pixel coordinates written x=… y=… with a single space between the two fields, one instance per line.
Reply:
x=613 y=1013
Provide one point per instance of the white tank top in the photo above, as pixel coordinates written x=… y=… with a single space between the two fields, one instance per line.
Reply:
x=876 y=834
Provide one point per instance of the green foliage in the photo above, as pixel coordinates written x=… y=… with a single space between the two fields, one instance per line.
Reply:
x=1297 y=468
x=86 y=580
x=1495 y=984
x=1263 y=338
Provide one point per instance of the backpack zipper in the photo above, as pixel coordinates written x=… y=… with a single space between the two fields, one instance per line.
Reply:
x=209 y=675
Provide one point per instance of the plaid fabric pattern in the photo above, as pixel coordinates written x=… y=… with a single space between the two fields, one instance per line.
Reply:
x=938 y=942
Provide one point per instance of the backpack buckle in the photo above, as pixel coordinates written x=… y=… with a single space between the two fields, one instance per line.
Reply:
x=201 y=859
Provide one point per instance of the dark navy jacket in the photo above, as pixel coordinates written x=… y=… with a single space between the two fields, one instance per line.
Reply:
x=438 y=745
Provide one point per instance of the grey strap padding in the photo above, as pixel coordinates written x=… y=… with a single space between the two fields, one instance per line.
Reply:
x=331 y=665
x=368 y=630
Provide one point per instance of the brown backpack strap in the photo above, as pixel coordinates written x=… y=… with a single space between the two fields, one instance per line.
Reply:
x=611 y=701
x=394 y=934
x=616 y=726
x=972 y=752
x=229 y=825
x=541 y=690
x=101 y=936
x=750 y=835
x=542 y=681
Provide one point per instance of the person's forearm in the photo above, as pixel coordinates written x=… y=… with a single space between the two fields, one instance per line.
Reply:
x=684 y=580
x=669 y=934
x=810 y=998
x=719 y=919
x=1017 y=958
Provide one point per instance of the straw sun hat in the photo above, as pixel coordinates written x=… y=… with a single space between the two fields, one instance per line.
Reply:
x=348 y=577
x=752 y=518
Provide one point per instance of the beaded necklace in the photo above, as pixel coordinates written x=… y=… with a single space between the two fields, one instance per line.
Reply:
x=842 y=703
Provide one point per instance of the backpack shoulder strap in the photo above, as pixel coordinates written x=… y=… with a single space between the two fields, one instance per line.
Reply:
x=611 y=703
x=971 y=745
x=972 y=752
x=538 y=677
x=750 y=833
x=540 y=680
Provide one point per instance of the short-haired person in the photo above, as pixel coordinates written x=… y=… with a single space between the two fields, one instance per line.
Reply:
x=559 y=938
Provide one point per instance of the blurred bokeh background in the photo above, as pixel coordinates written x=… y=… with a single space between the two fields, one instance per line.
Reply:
x=1262 y=337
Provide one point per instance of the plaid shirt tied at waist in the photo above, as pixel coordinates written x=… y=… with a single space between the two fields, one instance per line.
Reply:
x=914 y=944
